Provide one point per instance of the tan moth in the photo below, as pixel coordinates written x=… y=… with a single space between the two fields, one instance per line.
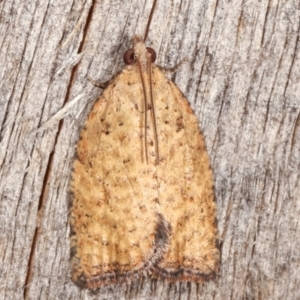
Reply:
x=142 y=188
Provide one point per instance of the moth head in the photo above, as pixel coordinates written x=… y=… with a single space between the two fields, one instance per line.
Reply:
x=140 y=53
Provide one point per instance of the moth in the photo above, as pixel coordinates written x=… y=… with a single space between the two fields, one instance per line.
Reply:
x=142 y=198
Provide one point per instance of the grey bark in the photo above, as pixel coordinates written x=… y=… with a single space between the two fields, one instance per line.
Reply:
x=242 y=78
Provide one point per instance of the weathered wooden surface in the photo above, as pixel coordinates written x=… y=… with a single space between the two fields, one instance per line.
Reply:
x=242 y=78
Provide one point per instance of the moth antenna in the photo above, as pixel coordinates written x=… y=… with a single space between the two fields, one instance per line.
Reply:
x=153 y=117
x=145 y=111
